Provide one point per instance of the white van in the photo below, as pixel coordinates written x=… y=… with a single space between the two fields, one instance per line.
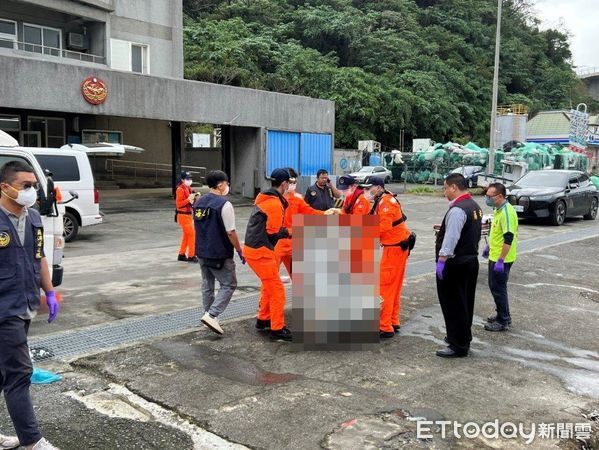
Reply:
x=71 y=171
x=50 y=211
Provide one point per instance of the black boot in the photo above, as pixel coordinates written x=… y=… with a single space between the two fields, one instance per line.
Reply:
x=284 y=334
x=262 y=324
x=181 y=258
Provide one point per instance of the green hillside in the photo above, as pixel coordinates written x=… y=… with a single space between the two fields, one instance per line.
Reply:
x=425 y=66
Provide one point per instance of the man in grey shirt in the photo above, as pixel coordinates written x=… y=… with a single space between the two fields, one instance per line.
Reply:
x=456 y=252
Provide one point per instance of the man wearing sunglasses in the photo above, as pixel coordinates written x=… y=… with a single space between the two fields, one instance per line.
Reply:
x=23 y=271
x=501 y=252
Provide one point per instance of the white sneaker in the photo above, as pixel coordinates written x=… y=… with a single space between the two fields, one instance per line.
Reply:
x=212 y=323
x=8 y=442
x=43 y=444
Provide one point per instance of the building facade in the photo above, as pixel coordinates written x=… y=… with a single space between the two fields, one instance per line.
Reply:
x=91 y=71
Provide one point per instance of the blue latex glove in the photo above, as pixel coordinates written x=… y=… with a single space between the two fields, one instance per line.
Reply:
x=486 y=252
x=499 y=268
x=52 y=306
x=241 y=257
x=439 y=269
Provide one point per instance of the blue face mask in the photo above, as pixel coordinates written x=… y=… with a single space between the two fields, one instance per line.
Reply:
x=489 y=201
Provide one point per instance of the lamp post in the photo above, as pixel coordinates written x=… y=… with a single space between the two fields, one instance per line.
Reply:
x=493 y=133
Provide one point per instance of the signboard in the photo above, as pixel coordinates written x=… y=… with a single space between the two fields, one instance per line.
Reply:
x=579 y=127
x=200 y=140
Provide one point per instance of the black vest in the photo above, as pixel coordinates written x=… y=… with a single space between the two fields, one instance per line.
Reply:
x=212 y=240
x=20 y=265
x=467 y=245
x=255 y=233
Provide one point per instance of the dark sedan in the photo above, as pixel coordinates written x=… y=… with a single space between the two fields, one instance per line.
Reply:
x=555 y=195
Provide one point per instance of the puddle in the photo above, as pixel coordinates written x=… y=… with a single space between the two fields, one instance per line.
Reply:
x=212 y=362
x=577 y=368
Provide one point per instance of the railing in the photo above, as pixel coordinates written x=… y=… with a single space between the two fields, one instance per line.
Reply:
x=584 y=71
x=53 y=51
x=149 y=170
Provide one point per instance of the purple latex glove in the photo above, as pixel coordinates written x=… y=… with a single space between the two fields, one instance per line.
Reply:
x=52 y=306
x=439 y=269
x=241 y=257
x=486 y=252
x=499 y=268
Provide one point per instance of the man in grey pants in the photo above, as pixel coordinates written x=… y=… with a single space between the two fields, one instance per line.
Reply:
x=216 y=239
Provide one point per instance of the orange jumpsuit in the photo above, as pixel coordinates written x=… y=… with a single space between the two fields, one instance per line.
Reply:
x=360 y=206
x=185 y=220
x=393 y=261
x=297 y=205
x=264 y=230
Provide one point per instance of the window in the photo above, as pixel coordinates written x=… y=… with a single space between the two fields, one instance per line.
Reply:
x=40 y=39
x=129 y=56
x=10 y=122
x=63 y=168
x=8 y=33
x=52 y=130
x=139 y=58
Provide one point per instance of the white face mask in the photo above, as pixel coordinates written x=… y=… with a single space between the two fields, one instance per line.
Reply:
x=369 y=196
x=26 y=197
x=187 y=182
x=292 y=187
x=226 y=191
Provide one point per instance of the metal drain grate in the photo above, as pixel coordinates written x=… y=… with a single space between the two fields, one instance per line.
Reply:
x=103 y=337
x=126 y=331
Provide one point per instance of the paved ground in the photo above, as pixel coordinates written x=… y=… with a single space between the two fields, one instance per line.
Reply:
x=194 y=390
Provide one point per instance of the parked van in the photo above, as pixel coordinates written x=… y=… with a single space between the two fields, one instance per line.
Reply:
x=71 y=171
x=50 y=210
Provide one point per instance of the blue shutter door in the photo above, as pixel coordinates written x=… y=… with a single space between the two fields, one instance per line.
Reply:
x=282 y=150
x=316 y=153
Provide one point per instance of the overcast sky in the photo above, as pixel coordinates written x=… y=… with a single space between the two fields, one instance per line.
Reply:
x=581 y=20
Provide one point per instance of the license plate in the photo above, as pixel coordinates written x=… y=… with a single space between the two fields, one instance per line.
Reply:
x=518 y=208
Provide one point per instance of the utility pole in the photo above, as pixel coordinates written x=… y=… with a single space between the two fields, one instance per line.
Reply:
x=493 y=133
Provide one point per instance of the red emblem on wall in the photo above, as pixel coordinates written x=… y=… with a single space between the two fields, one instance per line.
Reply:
x=94 y=90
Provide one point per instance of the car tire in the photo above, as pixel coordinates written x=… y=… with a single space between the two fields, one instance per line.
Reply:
x=71 y=226
x=592 y=214
x=558 y=215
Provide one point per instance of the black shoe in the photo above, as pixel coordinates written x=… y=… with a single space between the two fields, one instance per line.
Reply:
x=396 y=328
x=181 y=258
x=193 y=259
x=450 y=353
x=492 y=319
x=262 y=324
x=284 y=334
x=496 y=326
x=386 y=334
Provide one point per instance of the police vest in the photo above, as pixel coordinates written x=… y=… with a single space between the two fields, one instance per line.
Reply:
x=467 y=245
x=212 y=240
x=20 y=265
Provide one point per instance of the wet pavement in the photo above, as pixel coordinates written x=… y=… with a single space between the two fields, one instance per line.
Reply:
x=196 y=390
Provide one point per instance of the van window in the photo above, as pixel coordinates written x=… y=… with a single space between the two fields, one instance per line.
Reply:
x=63 y=168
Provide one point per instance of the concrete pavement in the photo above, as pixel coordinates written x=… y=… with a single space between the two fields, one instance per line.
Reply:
x=195 y=390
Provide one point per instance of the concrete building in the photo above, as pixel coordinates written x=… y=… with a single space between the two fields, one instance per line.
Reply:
x=91 y=71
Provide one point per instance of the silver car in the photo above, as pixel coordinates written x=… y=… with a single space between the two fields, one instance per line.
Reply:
x=367 y=172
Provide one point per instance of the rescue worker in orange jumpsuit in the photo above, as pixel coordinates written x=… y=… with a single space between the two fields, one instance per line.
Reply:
x=184 y=198
x=355 y=202
x=397 y=241
x=297 y=205
x=265 y=228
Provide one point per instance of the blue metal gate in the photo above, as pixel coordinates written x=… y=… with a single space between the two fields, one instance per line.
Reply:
x=306 y=152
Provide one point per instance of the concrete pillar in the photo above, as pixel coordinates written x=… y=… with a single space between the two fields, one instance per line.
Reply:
x=177 y=141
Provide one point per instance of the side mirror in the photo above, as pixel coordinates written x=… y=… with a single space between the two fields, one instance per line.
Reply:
x=47 y=201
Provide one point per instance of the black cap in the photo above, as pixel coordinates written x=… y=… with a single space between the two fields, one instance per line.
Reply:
x=185 y=175
x=279 y=175
x=375 y=181
x=345 y=181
